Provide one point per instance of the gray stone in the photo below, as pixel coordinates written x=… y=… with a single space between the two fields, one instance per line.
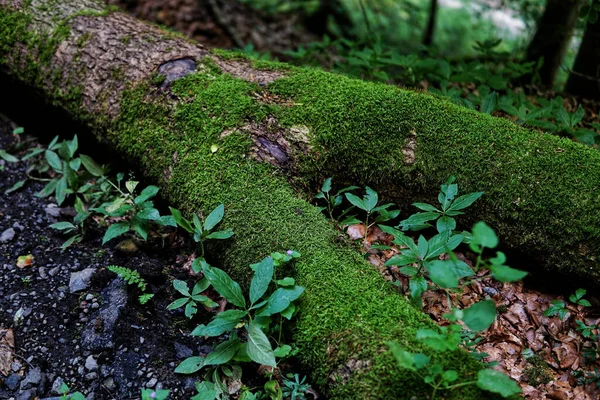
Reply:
x=182 y=351
x=80 y=280
x=18 y=226
x=91 y=376
x=27 y=395
x=99 y=331
x=57 y=384
x=151 y=383
x=33 y=378
x=12 y=382
x=109 y=384
x=91 y=364
x=7 y=235
x=54 y=271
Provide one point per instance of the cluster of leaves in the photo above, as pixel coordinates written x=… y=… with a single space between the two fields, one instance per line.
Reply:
x=132 y=277
x=247 y=322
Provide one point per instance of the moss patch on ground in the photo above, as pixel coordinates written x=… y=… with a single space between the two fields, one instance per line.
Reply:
x=348 y=311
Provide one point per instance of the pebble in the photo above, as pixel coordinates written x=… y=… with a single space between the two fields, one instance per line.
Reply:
x=54 y=271
x=7 y=235
x=80 y=280
x=33 y=378
x=151 y=383
x=12 y=381
x=91 y=364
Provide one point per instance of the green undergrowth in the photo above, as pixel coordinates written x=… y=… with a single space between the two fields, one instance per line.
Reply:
x=348 y=311
x=535 y=182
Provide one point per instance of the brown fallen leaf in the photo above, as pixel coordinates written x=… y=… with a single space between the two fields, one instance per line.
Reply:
x=24 y=261
x=7 y=346
x=356 y=231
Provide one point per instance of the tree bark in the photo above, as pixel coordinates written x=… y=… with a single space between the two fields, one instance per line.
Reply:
x=554 y=32
x=163 y=101
x=428 y=37
x=584 y=79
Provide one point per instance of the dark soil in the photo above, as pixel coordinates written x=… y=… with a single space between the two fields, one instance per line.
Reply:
x=62 y=335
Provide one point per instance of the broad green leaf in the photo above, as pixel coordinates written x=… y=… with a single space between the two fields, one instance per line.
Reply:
x=131 y=185
x=419 y=218
x=326 y=186
x=226 y=234
x=206 y=391
x=149 y=214
x=497 y=382
x=356 y=201
x=445 y=224
x=190 y=365
x=216 y=327
x=115 y=230
x=426 y=207
x=259 y=349
x=91 y=166
x=226 y=286
x=75 y=164
x=405 y=359
x=409 y=270
x=18 y=185
x=201 y=285
x=140 y=227
x=401 y=259
x=181 y=287
x=72 y=146
x=461 y=268
x=442 y=274
x=371 y=199
x=437 y=245
x=190 y=309
x=54 y=160
x=64 y=225
x=73 y=239
x=286 y=282
x=61 y=190
x=197 y=224
x=223 y=352
x=280 y=300
x=504 y=273
x=177 y=303
x=147 y=193
x=48 y=189
x=490 y=103
x=480 y=315
x=406 y=241
x=484 y=236
x=417 y=286
x=180 y=220
x=438 y=341
x=423 y=246
x=464 y=201
x=282 y=351
x=32 y=153
x=261 y=279
x=288 y=313
x=7 y=156
x=214 y=217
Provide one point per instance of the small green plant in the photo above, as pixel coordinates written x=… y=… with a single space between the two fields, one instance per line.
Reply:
x=444 y=216
x=584 y=378
x=295 y=388
x=190 y=299
x=577 y=298
x=202 y=232
x=135 y=213
x=132 y=277
x=332 y=200
x=149 y=394
x=368 y=204
x=255 y=316
x=558 y=307
x=64 y=392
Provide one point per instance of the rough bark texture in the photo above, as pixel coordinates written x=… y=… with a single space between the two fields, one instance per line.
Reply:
x=584 y=79
x=275 y=124
x=554 y=32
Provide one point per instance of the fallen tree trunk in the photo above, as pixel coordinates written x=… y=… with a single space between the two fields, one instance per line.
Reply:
x=133 y=85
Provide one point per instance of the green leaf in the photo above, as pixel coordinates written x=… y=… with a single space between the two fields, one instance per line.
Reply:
x=326 y=186
x=115 y=230
x=201 y=285
x=54 y=160
x=261 y=279
x=73 y=239
x=223 y=352
x=216 y=327
x=8 y=157
x=288 y=313
x=226 y=286
x=61 y=190
x=356 y=201
x=181 y=287
x=147 y=193
x=464 y=201
x=91 y=166
x=259 y=349
x=504 y=273
x=48 y=189
x=190 y=309
x=480 y=315
x=445 y=224
x=286 y=282
x=140 y=227
x=214 y=217
x=401 y=259
x=497 y=382
x=442 y=274
x=72 y=146
x=370 y=199
x=190 y=365
x=418 y=220
x=206 y=391
x=426 y=207
x=18 y=185
x=484 y=236
x=490 y=103
x=417 y=286
x=226 y=234
x=282 y=351
x=62 y=226
x=232 y=315
x=178 y=303
x=423 y=246
x=280 y=300
x=180 y=220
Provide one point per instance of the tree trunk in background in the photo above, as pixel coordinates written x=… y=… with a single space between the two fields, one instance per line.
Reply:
x=428 y=38
x=585 y=76
x=318 y=22
x=553 y=35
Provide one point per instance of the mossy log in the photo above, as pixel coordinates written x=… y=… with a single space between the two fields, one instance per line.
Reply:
x=164 y=102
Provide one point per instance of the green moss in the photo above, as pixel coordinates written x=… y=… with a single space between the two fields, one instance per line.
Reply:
x=83 y=39
x=348 y=311
x=538 y=371
x=125 y=39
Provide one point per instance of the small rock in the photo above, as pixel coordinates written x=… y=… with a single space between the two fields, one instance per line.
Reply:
x=18 y=226
x=7 y=235
x=15 y=366
x=91 y=376
x=109 y=384
x=151 y=383
x=80 y=280
x=182 y=351
x=57 y=384
x=54 y=271
x=27 y=394
x=91 y=364
x=12 y=381
x=52 y=210
x=42 y=273
x=33 y=378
